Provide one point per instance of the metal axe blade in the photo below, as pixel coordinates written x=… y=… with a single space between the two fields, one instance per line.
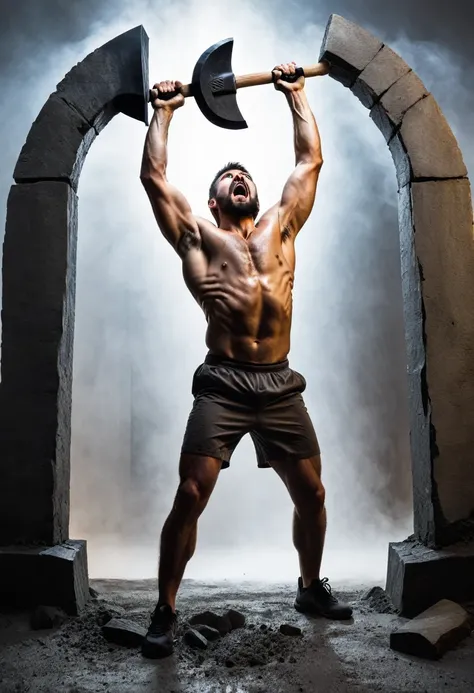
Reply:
x=214 y=85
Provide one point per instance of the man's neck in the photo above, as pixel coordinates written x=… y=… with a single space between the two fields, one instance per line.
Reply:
x=243 y=226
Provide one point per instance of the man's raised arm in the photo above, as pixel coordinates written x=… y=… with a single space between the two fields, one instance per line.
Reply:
x=299 y=192
x=172 y=211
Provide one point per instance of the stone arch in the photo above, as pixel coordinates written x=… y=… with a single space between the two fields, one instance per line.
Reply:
x=39 y=276
x=436 y=236
x=437 y=266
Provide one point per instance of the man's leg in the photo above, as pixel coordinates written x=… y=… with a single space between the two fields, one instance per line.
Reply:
x=198 y=477
x=303 y=481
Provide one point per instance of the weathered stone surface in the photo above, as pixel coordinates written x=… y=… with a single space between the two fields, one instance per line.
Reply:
x=56 y=146
x=288 y=629
x=433 y=632
x=418 y=577
x=122 y=631
x=56 y=576
x=379 y=75
x=208 y=618
x=237 y=620
x=425 y=147
x=388 y=113
x=348 y=47
x=194 y=638
x=443 y=234
x=39 y=263
x=112 y=79
x=47 y=617
x=438 y=280
x=209 y=633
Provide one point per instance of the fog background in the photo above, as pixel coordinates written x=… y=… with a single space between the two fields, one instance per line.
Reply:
x=140 y=335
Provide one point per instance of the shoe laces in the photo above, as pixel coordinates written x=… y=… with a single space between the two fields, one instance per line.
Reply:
x=327 y=587
x=161 y=622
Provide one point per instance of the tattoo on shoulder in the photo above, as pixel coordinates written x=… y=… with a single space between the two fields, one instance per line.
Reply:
x=188 y=240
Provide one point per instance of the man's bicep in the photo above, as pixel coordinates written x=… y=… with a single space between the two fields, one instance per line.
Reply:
x=298 y=196
x=173 y=215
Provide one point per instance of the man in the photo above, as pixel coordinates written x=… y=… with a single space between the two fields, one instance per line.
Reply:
x=241 y=274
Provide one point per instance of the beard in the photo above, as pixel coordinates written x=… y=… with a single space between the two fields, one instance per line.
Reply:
x=239 y=209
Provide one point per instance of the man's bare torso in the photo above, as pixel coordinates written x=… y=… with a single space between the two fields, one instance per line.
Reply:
x=244 y=286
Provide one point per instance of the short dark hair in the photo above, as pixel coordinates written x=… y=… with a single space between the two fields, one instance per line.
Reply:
x=232 y=165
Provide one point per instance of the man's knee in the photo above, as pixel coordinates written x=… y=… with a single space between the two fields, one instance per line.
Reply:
x=198 y=478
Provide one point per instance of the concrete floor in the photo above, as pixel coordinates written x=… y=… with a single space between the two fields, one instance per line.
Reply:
x=330 y=657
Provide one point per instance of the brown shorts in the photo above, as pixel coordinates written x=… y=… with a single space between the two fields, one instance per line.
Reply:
x=232 y=398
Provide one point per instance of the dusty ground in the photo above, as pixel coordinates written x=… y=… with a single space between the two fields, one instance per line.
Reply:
x=328 y=658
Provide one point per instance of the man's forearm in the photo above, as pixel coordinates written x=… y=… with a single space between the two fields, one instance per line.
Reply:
x=155 y=153
x=306 y=135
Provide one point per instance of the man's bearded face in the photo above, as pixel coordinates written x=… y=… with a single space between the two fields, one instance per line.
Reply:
x=237 y=195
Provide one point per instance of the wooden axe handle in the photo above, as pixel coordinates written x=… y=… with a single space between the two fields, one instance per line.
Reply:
x=185 y=90
x=252 y=80
x=267 y=77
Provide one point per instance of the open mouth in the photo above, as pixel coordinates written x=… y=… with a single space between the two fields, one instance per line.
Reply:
x=239 y=189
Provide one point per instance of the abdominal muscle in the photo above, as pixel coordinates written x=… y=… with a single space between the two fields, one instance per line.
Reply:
x=248 y=314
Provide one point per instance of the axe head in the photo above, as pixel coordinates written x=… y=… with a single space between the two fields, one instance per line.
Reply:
x=213 y=86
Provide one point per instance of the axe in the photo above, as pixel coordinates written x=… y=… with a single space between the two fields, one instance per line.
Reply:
x=214 y=85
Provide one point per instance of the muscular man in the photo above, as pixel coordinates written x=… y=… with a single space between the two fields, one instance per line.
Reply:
x=241 y=273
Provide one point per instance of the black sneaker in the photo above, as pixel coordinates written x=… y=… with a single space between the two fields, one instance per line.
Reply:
x=318 y=599
x=158 y=642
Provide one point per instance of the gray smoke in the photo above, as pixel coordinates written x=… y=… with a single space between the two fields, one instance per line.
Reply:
x=139 y=334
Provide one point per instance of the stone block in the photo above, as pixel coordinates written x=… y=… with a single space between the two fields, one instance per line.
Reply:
x=425 y=148
x=388 y=113
x=209 y=618
x=122 y=631
x=349 y=48
x=437 y=263
x=443 y=234
x=112 y=79
x=210 y=634
x=39 y=264
x=418 y=577
x=56 y=146
x=57 y=576
x=236 y=618
x=39 y=254
x=195 y=639
x=433 y=632
x=380 y=74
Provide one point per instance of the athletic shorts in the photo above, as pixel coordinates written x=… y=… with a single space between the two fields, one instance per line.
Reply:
x=232 y=398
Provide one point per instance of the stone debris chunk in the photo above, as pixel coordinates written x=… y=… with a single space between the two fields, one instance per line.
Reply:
x=195 y=639
x=209 y=618
x=123 y=632
x=434 y=631
x=237 y=620
x=209 y=633
x=288 y=629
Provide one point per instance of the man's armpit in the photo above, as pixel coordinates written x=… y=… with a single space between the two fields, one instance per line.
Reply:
x=189 y=239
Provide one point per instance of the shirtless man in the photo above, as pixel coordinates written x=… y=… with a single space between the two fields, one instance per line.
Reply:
x=241 y=273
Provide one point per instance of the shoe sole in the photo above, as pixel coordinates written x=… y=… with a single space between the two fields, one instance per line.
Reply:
x=315 y=612
x=151 y=653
